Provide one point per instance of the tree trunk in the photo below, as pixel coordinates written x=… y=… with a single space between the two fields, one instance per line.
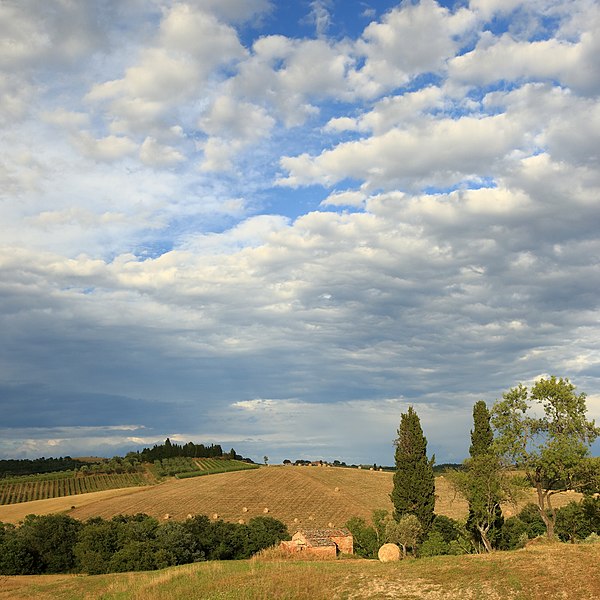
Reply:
x=547 y=515
x=484 y=538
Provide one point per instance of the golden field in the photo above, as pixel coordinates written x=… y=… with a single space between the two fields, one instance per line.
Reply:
x=298 y=496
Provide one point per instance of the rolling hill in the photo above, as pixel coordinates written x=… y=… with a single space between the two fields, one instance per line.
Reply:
x=298 y=496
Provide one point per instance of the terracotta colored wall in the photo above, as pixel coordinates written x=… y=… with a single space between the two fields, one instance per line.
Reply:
x=344 y=544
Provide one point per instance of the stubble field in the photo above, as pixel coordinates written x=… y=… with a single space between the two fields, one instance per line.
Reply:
x=298 y=496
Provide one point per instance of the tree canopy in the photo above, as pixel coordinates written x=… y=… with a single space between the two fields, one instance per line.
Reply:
x=550 y=445
x=414 y=483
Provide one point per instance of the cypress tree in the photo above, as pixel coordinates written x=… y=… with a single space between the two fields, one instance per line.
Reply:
x=481 y=435
x=414 y=483
x=485 y=518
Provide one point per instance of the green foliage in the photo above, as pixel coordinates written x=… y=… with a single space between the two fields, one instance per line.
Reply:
x=447 y=536
x=405 y=532
x=482 y=435
x=553 y=448
x=264 y=532
x=434 y=545
x=513 y=534
x=578 y=520
x=171 y=450
x=12 y=467
x=482 y=482
x=366 y=543
x=414 y=483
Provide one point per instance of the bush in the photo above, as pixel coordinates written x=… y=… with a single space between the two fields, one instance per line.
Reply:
x=366 y=543
x=577 y=520
x=434 y=545
x=513 y=534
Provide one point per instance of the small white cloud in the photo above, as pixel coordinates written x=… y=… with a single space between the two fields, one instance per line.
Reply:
x=106 y=149
x=156 y=155
x=345 y=198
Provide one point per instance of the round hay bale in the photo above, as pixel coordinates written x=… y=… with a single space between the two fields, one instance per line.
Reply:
x=295 y=519
x=245 y=509
x=215 y=516
x=359 y=467
x=265 y=510
x=337 y=489
x=330 y=524
x=311 y=518
x=389 y=553
x=241 y=521
x=190 y=516
x=371 y=469
x=167 y=517
x=380 y=469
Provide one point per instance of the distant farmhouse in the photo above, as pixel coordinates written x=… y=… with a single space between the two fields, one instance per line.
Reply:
x=322 y=543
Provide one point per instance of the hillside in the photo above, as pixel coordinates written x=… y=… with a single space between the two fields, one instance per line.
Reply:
x=539 y=572
x=298 y=496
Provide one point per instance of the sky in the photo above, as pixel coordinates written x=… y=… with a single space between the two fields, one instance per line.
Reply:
x=275 y=225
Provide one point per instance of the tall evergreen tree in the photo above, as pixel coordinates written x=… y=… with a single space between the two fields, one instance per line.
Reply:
x=414 y=483
x=483 y=472
x=482 y=435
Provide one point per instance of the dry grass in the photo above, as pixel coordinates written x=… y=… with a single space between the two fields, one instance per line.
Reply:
x=548 y=572
x=13 y=513
x=298 y=496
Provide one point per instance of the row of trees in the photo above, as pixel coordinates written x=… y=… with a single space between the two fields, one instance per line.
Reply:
x=12 y=467
x=191 y=450
x=61 y=544
x=542 y=433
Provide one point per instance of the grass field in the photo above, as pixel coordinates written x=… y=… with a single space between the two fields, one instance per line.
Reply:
x=298 y=496
x=539 y=572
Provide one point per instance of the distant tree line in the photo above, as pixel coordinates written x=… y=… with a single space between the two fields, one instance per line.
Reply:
x=61 y=544
x=26 y=466
x=190 y=450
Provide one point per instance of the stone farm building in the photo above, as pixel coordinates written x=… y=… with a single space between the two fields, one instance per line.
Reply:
x=322 y=543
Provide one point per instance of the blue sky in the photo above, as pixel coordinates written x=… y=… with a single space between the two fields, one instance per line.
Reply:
x=276 y=225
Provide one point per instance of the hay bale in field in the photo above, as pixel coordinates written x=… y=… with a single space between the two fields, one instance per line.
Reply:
x=296 y=520
x=371 y=469
x=265 y=510
x=215 y=516
x=167 y=516
x=245 y=509
x=336 y=489
x=190 y=516
x=389 y=553
x=380 y=469
x=311 y=518
x=330 y=525
x=241 y=521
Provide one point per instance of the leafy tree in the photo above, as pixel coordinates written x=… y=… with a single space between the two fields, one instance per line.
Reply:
x=552 y=449
x=483 y=482
x=577 y=520
x=264 y=532
x=405 y=532
x=414 y=483
x=51 y=539
x=366 y=543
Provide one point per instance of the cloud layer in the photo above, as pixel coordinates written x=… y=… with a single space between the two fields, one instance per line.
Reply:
x=216 y=226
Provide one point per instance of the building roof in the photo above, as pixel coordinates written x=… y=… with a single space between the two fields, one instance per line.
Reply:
x=322 y=537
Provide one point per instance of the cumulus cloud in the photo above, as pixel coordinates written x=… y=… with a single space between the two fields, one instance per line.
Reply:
x=243 y=235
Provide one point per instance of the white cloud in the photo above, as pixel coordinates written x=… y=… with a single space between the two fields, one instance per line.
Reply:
x=345 y=198
x=410 y=39
x=109 y=148
x=442 y=152
x=154 y=154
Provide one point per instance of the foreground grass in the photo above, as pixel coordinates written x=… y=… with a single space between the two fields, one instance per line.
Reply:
x=539 y=572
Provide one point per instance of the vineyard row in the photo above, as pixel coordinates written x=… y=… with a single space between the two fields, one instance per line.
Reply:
x=13 y=493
